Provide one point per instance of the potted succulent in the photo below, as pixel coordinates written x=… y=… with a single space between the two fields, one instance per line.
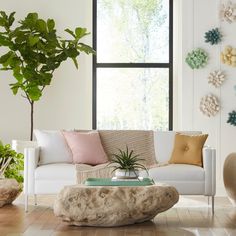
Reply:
x=126 y=164
x=11 y=163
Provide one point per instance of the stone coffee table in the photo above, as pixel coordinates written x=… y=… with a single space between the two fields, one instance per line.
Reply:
x=108 y=206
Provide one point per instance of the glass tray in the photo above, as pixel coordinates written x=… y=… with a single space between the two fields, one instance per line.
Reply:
x=109 y=182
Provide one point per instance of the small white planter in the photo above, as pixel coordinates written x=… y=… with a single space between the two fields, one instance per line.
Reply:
x=123 y=174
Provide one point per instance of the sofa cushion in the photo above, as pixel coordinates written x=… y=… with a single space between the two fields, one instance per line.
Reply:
x=86 y=147
x=53 y=147
x=138 y=140
x=188 y=149
x=177 y=172
x=164 y=143
x=59 y=171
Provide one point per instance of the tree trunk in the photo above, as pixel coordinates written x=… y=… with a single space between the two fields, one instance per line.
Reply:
x=31 y=119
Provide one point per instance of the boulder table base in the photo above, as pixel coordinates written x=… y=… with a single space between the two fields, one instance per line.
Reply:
x=107 y=206
x=9 y=191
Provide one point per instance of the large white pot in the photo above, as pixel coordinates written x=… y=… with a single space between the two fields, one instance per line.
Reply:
x=124 y=174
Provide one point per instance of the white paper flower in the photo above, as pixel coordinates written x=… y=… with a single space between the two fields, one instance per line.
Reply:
x=209 y=105
x=228 y=12
x=216 y=78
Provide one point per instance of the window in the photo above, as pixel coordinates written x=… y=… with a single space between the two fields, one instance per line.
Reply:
x=132 y=69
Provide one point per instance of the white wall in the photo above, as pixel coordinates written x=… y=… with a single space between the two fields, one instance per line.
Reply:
x=198 y=17
x=67 y=103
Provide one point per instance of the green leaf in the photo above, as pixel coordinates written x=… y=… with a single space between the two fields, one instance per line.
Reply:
x=42 y=26
x=33 y=40
x=44 y=78
x=3 y=14
x=17 y=74
x=4 y=41
x=50 y=24
x=20 y=37
x=85 y=48
x=6 y=21
x=11 y=18
x=28 y=73
x=29 y=22
x=72 y=52
x=75 y=62
x=34 y=93
x=13 y=61
x=5 y=57
x=2 y=22
x=32 y=16
x=70 y=32
x=80 y=32
x=14 y=89
x=131 y=153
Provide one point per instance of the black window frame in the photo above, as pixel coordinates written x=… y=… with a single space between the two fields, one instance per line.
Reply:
x=97 y=65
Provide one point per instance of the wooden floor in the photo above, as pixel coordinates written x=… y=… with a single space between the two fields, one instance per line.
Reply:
x=191 y=216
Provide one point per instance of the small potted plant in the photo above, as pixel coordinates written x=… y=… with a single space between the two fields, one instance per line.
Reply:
x=11 y=174
x=126 y=164
x=11 y=163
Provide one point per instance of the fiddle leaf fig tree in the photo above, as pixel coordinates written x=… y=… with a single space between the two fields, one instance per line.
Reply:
x=35 y=51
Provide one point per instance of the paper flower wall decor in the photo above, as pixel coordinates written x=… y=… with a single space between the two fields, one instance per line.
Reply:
x=197 y=58
x=216 y=78
x=209 y=105
x=213 y=36
x=228 y=56
x=232 y=118
x=228 y=12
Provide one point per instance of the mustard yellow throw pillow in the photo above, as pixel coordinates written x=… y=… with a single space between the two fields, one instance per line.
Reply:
x=188 y=149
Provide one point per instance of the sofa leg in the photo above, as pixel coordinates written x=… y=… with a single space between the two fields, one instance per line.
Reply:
x=35 y=199
x=26 y=202
x=212 y=205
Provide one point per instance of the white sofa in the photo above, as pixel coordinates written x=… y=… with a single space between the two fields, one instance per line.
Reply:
x=187 y=179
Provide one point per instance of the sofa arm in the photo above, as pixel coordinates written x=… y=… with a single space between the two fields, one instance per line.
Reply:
x=209 y=165
x=31 y=159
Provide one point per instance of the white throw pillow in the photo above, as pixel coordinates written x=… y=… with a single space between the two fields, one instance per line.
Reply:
x=53 y=147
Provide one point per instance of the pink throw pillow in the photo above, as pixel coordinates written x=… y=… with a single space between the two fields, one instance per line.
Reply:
x=86 y=148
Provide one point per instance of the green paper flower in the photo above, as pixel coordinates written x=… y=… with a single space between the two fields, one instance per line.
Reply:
x=213 y=36
x=232 y=118
x=197 y=58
